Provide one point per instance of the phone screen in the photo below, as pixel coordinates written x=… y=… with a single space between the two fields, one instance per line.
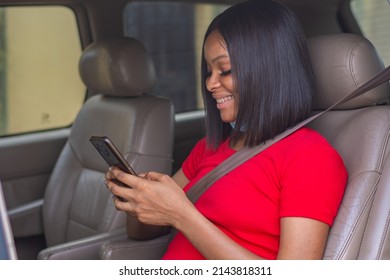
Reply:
x=110 y=153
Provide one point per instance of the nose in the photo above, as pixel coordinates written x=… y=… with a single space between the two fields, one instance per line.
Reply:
x=212 y=83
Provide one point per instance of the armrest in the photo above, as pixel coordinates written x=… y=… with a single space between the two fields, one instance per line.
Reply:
x=81 y=249
x=26 y=220
x=128 y=249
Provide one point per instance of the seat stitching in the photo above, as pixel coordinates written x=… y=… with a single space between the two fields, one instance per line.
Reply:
x=353 y=73
x=384 y=233
x=381 y=161
x=353 y=227
x=369 y=221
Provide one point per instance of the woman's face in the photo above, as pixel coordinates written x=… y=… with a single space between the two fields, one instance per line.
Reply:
x=219 y=80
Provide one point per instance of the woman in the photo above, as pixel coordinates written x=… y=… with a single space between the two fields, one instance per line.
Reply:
x=257 y=82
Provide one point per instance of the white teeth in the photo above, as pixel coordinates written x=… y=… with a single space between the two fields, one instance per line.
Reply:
x=224 y=99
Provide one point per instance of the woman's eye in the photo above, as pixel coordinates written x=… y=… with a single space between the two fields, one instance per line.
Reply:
x=221 y=73
x=227 y=72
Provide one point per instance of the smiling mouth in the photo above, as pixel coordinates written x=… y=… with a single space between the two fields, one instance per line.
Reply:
x=224 y=99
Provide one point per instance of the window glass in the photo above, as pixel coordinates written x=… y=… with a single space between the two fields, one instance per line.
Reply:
x=173 y=34
x=40 y=86
x=374 y=20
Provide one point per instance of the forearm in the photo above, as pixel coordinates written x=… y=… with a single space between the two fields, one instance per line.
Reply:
x=210 y=241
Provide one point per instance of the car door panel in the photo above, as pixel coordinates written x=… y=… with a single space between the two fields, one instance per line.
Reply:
x=26 y=162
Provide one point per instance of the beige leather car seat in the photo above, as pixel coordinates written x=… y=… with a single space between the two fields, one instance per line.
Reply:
x=359 y=130
x=77 y=205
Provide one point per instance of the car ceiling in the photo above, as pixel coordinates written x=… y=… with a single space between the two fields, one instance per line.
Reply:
x=317 y=16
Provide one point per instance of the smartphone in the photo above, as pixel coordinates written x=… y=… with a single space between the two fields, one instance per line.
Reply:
x=110 y=153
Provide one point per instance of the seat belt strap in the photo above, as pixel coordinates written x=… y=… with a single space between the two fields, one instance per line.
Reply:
x=246 y=153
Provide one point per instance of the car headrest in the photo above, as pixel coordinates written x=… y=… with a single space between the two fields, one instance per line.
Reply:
x=341 y=63
x=118 y=67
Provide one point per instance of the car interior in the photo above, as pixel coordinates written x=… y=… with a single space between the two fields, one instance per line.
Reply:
x=53 y=178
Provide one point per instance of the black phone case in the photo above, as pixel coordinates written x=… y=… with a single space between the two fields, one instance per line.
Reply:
x=110 y=153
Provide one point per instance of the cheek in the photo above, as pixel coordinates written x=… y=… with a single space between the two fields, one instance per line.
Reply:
x=230 y=84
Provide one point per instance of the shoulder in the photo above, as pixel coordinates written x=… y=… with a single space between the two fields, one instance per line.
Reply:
x=307 y=149
x=306 y=137
x=306 y=141
x=313 y=177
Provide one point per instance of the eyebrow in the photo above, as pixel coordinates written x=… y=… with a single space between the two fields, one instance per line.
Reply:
x=219 y=57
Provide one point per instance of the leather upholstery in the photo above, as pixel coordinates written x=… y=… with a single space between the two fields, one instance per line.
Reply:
x=342 y=63
x=112 y=68
x=77 y=204
x=360 y=131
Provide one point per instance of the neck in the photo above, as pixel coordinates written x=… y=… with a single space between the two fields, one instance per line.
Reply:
x=238 y=145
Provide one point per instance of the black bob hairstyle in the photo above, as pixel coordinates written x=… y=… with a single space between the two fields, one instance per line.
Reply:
x=271 y=72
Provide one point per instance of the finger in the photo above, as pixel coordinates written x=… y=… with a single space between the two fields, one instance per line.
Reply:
x=108 y=175
x=156 y=176
x=124 y=192
x=126 y=178
x=110 y=183
x=123 y=205
x=142 y=175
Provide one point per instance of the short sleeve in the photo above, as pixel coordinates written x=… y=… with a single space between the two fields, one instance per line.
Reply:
x=313 y=184
x=191 y=163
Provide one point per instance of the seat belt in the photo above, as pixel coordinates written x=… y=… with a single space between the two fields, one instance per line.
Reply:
x=248 y=152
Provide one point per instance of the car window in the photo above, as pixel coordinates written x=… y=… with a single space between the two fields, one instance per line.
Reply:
x=374 y=19
x=173 y=34
x=40 y=86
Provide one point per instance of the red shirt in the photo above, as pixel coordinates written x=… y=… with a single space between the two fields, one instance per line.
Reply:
x=299 y=176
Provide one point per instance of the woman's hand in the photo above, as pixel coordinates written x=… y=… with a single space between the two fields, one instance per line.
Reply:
x=154 y=198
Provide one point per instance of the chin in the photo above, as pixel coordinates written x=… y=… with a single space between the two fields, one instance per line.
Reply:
x=228 y=120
